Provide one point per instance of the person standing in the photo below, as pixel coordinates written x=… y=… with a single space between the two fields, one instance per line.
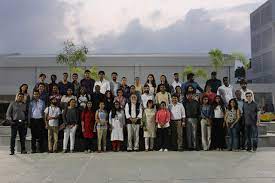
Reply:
x=42 y=79
x=149 y=125
x=251 y=121
x=64 y=85
x=102 y=82
x=209 y=94
x=226 y=91
x=97 y=97
x=240 y=102
x=191 y=82
x=177 y=123
x=151 y=82
x=88 y=123
x=76 y=84
x=163 y=96
x=176 y=82
x=36 y=123
x=179 y=94
x=83 y=98
x=125 y=88
x=120 y=98
x=214 y=83
x=43 y=95
x=17 y=115
x=146 y=96
x=163 y=80
x=192 y=110
x=138 y=85
x=114 y=84
x=55 y=94
x=66 y=98
x=53 y=83
x=52 y=116
x=117 y=122
x=101 y=118
x=163 y=120
x=24 y=89
x=87 y=82
x=133 y=113
x=245 y=90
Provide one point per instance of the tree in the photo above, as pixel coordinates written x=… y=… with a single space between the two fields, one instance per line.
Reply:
x=200 y=73
x=72 y=55
x=217 y=58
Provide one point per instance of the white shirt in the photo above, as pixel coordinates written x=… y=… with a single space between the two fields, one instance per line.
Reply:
x=104 y=86
x=218 y=113
x=226 y=93
x=53 y=112
x=133 y=111
x=145 y=98
x=177 y=111
x=175 y=84
x=247 y=91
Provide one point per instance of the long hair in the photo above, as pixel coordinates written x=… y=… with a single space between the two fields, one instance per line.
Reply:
x=165 y=80
x=153 y=82
x=229 y=107
x=20 y=88
x=221 y=103
x=114 y=109
x=111 y=95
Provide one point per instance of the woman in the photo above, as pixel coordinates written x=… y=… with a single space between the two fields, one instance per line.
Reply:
x=117 y=122
x=163 y=80
x=138 y=85
x=232 y=117
x=24 y=89
x=101 y=117
x=211 y=95
x=149 y=125
x=66 y=98
x=151 y=82
x=109 y=101
x=218 y=133
x=179 y=94
x=70 y=120
x=88 y=123
x=55 y=94
x=163 y=120
x=206 y=121
x=83 y=98
x=120 y=98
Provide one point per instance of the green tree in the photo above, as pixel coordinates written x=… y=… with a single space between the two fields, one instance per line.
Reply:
x=200 y=73
x=217 y=58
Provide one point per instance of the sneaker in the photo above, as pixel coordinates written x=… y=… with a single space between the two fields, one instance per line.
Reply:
x=89 y=151
x=71 y=151
x=24 y=152
x=165 y=150
x=160 y=150
x=86 y=152
x=12 y=153
x=64 y=151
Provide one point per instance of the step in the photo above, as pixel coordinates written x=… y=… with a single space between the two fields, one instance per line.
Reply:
x=5 y=140
x=263 y=129
x=267 y=140
x=270 y=125
x=5 y=130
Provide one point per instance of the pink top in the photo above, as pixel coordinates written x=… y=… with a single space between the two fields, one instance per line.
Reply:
x=163 y=117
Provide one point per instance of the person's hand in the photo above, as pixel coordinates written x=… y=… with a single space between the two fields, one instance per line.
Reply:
x=47 y=126
x=83 y=130
x=183 y=124
x=258 y=123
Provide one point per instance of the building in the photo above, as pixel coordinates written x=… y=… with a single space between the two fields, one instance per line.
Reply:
x=262 y=23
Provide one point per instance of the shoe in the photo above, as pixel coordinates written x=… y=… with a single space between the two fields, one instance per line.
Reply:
x=146 y=150
x=55 y=151
x=99 y=151
x=89 y=151
x=165 y=150
x=50 y=151
x=12 y=153
x=86 y=152
x=72 y=151
x=33 y=152
x=161 y=150
x=23 y=152
x=64 y=151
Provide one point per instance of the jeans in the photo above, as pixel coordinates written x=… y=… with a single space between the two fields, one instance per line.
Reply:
x=21 y=128
x=191 y=130
x=101 y=137
x=251 y=136
x=233 y=137
x=133 y=134
x=177 y=134
x=37 y=131
x=205 y=134
x=69 y=133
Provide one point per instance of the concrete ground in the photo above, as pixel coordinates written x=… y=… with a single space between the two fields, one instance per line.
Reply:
x=141 y=167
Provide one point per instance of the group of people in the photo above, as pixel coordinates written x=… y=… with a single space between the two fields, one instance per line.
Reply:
x=177 y=116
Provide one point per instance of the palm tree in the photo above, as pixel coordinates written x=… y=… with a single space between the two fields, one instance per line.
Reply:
x=200 y=73
x=217 y=58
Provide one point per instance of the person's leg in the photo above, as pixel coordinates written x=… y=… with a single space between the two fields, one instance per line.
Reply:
x=146 y=139
x=248 y=137
x=151 y=146
x=50 y=138
x=230 y=142
x=165 y=138
x=41 y=134
x=174 y=135
x=204 y=134
x=114 y=145
x=34 y=134
x=55 y=138
x=22 y=136
x=235 y=137
x=179 y=135
x=254 y=137
x=66 y=138
x=104 y=139
x=189 y=133
x=130 y=137
x=13 y=137
x=208 y=136
x=194 y=133
x=72 y=137
x=99 y=138
x=136 y=137
x=119 y=145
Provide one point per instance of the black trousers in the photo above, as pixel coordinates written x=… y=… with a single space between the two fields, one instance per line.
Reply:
x=89 y=144
x=242 y=137
x=21 y=128
x=38 y=134
x=163 y=139
x=218 y=134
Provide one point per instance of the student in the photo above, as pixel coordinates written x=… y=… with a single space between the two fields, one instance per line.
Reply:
x=24 y=89
x=35 y=118
x=151 y=82
x=66 y=98
x=114 y=84
x=97 y=97
x=87 y=82
x=17 y=115
x=102 y=82
x=133 y=113
x=206 y=122
x=88 y=123
x=53 y=83
x=117 y=122
x=245 y=90
x=231 y=118
x=71 y=121
x=214 y=83
x=55 y=94
x=138 y=85
x=125 y=88
x=109 y=101
x=83 y=98
x=134 y=92
x=218 y=131
x=120 y=98
x=43 y=95
x=163 y=121
x=240 y=102
x=251 y=121
x=176 y=81
x=146 y=96
x=42 y=79
x=163 y=80
x=192 y=111
x=149 y=125
x=226 y=91
x=179 y=94
x=191 y=81
x=163 y=96
x=64 y=85
x=101 y=118
x=177 y=123
x=52 y=116
x=209 y=94
x=75 y=84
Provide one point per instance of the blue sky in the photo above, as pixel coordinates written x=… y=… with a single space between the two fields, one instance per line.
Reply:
x=126 y=26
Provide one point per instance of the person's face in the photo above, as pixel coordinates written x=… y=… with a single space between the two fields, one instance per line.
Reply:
x=225 y=82
x=101 y=76
x=217 y=99
x=119 y=93
x=213 y=76
x=42 y=78
x=189 y=97
x=150 y=105
x=72 y=103
x=69 y=92
x=175 y=100
x=97 y=89
x=132 y=90
x=65 y=77
x=146 y=89
x=208 y=88
x=54 y=101
x=238 y=94
x=124 y=81
x=232 y=104
x=150 y=78
x=101 y=105
x=176 y=77
x=205 y=100
x=162 y=106
x=89 y=105
x=41 y=87
x=243 y=85
x=191 y=78
x=117 y=105
x=162 y=79
x=248 y=97
x=108 y=94
x=75 y=77
x=190 y=89
x=55 y=89
x=24 y=88
x=82 y=91
x=134 y=98
x=36 y=95
x=178 y=89
x=162 y=88
x=87 y=75
x=114 y=77
x=53 y=78
x=20 y=98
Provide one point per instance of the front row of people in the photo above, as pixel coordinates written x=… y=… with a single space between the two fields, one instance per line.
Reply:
x=168 y=125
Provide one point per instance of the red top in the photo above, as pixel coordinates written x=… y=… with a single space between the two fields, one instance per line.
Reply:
x=163 y=116
x=88 y=117
x=211 y=96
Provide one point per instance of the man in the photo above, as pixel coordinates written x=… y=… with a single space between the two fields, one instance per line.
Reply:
x=53 y=83
x=35 y=118
x=177 y=123
x=52 y=116
x=125 y=88
x=97 y=97
x=163 y=96
x=42 y=79
x=176 y=81
x=214 y=83
x=146 y=96
x=192 y=111
x=245 y=90
x=240 y=102
x=17 y=115
x=43 y=95
x=133 y=113
x=103 y=83
x=114 y=84
x=76 y=84
x=133 y=91
x=64 y=84
x=226 y=91
x=191 y=82
x=87 y=82
x=251 y=121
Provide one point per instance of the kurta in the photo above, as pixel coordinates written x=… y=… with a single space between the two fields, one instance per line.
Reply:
x=149 y=122
x=88 y=118
x=117 y=124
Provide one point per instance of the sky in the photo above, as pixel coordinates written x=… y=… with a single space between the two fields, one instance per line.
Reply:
x=126 y=26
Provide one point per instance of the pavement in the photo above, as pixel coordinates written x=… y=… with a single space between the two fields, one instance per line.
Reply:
x=140 y=167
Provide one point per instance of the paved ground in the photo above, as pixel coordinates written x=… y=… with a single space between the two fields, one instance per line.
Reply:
x=142 y=167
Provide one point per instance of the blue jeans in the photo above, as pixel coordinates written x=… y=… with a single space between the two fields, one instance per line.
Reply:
x=251 y=136
x=234 y=137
